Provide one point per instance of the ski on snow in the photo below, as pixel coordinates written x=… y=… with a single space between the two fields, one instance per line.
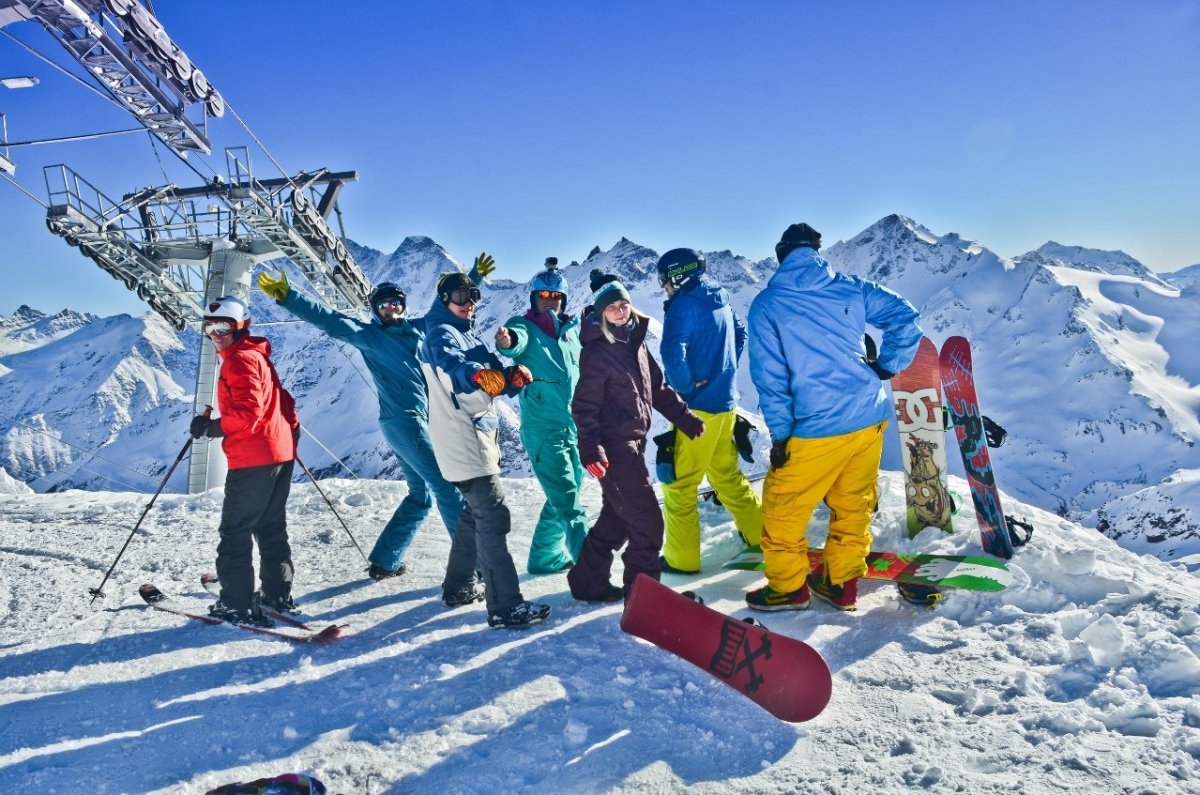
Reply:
x=213 y=586
x=159 y=601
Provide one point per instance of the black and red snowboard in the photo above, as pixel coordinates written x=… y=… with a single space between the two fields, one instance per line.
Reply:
x=784 y=676
x=958 y=380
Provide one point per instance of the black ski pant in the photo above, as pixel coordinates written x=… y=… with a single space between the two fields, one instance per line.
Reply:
x=480 y=543
x=254 y=510
x=630 y=515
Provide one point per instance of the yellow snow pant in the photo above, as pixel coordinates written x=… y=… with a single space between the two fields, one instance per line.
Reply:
x=715 y=456
x=842 y=470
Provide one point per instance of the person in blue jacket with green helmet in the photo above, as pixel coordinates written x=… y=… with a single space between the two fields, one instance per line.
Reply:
x=702 y=341
x=546 y=340
x=389 y=345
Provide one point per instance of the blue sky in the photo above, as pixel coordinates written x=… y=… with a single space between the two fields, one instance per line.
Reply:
x=544 y=128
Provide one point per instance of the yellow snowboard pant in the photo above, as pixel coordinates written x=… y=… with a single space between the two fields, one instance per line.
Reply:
x=714 y=456
x=842 y=470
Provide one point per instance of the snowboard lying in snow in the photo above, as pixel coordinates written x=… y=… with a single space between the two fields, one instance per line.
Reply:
x=970 y=572
x=785 y=676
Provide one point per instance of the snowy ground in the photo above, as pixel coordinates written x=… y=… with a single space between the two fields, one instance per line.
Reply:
x=1082 y=676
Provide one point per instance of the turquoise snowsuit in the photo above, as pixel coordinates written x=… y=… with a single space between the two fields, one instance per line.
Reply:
x=549 y=435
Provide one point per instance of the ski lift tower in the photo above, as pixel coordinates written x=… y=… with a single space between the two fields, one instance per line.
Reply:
x=181 y=248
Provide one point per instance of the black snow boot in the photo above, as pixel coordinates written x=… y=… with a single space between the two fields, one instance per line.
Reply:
x=380 y=573
x=519 y=616
x=253 y=617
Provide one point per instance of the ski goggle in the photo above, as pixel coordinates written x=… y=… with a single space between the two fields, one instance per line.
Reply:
x=551 y=294
x=390 y=303
x=464 y=294
x=217 y=328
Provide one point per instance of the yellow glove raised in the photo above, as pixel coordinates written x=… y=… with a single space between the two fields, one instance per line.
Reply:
x=484 y=265
x=276 y=288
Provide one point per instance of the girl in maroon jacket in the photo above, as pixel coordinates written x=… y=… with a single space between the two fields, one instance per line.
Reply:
x=619 y=383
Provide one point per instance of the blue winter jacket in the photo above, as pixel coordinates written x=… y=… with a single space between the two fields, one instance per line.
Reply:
x=806 y=348
x=390 y=353
x=702 y=342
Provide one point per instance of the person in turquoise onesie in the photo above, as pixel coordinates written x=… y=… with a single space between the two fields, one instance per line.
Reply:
x=389 y=344
x=546 y=340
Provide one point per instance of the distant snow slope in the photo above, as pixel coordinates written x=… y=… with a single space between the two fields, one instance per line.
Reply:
x=1085 y=356
x=1083 y=676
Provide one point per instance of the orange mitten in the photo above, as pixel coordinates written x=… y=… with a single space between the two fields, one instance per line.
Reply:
x=491 y=381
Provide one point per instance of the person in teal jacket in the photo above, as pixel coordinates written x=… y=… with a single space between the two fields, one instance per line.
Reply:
x=546 y=340
x=389 y=345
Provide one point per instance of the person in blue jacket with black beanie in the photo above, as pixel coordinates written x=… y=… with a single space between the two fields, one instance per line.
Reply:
x=702 y=342
x=823 y=400
x=389 y=345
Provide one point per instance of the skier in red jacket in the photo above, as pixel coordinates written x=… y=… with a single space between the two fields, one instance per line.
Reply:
x=259 y=425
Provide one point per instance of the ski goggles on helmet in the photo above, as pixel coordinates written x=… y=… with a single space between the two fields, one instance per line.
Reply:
x=550 y=294
x=218 y=328
x=465 y=294
x=390 y=303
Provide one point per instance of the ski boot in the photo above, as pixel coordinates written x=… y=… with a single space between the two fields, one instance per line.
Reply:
x=473 y=591
x=767 y=598
x=378 y=573
x=253 y=617
x=519 y=616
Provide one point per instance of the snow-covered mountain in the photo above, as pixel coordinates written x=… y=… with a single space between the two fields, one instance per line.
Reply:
x=1091 y=367
x=1085 y=356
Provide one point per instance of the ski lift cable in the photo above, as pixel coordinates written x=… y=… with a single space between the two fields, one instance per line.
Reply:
x=72 y=138
x=55 y=65
x=287 y=176
x=21 y=188
x=82 y=468
x=332 y=455
x=92 y=453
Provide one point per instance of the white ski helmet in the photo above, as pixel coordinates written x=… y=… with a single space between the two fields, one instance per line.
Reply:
x=229 y=308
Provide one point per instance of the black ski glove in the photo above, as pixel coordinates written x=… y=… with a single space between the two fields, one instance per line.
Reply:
x=742 y=428
x=779 y=454
x=869 y=359
x=994 y=433
x=205 y=426
x=884 y=375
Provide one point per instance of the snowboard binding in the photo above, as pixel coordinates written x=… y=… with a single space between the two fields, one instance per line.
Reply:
x=920 y=595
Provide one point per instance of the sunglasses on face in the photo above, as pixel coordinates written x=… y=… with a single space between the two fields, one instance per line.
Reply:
x=217 y=328
x=550 y=294
x=464 y=295
x=391 y=303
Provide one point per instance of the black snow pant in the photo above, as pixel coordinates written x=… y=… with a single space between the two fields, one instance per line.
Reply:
x=254 y=510
x=480 y=543
x=630 y=514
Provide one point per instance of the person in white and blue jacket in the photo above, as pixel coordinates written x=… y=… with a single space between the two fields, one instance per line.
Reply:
x=824 y=403
x=464 y=378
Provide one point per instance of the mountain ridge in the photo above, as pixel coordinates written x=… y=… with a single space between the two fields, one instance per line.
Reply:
x=1091 y=371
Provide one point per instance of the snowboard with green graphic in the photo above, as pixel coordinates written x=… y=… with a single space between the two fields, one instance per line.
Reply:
x=969 y=572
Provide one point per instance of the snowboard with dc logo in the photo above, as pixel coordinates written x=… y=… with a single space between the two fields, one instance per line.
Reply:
x=784 y=676
x=917 y=398
x=958 y=380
